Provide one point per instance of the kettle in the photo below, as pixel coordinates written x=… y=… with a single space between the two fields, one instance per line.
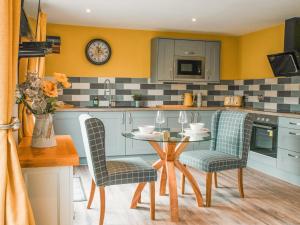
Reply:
x=188 y=99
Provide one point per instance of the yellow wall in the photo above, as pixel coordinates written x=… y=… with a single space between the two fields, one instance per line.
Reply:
x=253 y=51
x=130 y=51
x=243 y=57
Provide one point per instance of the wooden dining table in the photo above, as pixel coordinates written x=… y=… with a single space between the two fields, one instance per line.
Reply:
x=168 y=145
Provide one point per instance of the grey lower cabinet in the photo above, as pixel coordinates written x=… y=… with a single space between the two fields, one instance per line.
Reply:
x=114 y=123
x=67 y=123
x=118 y=122
x=133 y=121
x=289 y=145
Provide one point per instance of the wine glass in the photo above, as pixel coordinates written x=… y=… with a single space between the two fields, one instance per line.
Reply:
x=160 y=118
x=182 y=119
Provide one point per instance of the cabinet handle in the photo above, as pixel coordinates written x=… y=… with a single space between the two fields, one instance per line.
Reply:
x=189 y=53
x=130 y=118
x=192 y=118
x=296 y=124
x=293 y=133
x=123 y=118
x=293 y=156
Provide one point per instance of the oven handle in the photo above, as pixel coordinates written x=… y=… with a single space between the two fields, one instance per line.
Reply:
x=264 y=126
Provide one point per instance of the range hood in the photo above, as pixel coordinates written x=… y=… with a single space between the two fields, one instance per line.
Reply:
x=288 y=62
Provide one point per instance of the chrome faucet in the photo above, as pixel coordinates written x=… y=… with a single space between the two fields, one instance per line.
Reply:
x=107 y=92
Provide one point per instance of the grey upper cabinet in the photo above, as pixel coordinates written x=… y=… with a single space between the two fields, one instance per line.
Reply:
x=189 y=48
x=165 y=52
x=162 y=59
x=212 y=61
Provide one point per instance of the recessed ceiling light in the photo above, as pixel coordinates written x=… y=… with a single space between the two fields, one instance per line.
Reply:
x=88 y=10
x=194 y=19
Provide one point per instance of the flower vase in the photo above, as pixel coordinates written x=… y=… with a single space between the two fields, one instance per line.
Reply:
x=43 y=132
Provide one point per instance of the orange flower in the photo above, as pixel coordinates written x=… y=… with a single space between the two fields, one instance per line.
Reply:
x=60 y=77
x=50 y=89
x=66 y=84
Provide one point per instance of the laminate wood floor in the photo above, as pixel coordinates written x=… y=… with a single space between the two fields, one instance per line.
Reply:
x=267 y=201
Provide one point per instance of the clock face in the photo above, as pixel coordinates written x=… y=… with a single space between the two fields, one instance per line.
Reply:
x=98 y=51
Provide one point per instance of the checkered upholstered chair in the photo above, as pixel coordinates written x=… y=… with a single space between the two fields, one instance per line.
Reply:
x=113 y=172
x=231 y=133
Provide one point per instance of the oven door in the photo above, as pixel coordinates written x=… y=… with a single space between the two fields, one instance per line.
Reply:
x=264 y=139
x=189 y=67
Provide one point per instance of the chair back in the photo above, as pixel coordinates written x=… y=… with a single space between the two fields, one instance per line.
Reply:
x=231 y=133
x=93 y=135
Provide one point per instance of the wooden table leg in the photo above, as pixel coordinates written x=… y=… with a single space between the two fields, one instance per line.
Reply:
x=163 y=180
x=173 y=191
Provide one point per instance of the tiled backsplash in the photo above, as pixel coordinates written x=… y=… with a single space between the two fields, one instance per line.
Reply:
x=281 y=94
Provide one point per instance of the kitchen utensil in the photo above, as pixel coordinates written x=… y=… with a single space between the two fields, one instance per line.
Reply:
x=146 y=129
x=188 y=99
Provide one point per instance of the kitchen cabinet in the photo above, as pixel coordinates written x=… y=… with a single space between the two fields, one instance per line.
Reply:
x=118 y=122
x=67 y=123
x=162 y=59
x=133 y=121
x=114 y=123
x=164 y=51
x=212 y=61
x=189 y=48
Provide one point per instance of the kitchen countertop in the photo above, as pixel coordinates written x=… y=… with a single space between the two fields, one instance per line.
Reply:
x=176 y=108
x=64 y=154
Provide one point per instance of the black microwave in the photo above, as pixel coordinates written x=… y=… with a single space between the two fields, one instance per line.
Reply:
x=189 y=67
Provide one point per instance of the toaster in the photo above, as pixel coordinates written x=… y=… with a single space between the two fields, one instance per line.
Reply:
x=236 y=101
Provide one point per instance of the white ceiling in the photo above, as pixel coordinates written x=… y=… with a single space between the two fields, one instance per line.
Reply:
x=217 y=16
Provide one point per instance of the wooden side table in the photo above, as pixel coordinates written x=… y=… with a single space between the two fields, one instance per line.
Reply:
x=48 y=174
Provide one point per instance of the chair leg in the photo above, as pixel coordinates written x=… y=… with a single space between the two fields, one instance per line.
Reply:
x=102 y=204
x=208 y=188
x=152 y=200
x=137 y=195
x=92 y=192
x=240 y=182
x=216 y=179
x=183 y=182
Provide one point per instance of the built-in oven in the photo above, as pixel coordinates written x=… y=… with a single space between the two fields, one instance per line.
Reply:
x=264 y=135
x=189 y=67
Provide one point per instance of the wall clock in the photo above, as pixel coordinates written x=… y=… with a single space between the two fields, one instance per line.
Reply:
x=98 y=51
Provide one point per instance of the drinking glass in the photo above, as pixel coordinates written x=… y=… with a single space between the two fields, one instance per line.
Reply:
x=182 y=119
x=160 y=118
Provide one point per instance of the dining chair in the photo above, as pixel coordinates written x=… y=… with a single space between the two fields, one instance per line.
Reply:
x=115 y=171
x=231 y=133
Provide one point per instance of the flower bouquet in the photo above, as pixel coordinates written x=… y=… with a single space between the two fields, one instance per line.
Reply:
x=40 y=97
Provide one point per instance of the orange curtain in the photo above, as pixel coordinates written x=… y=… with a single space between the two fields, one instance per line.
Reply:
x=36 y=65
x=15 y=207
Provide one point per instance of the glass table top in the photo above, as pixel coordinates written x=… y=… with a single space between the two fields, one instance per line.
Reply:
x=175 y=136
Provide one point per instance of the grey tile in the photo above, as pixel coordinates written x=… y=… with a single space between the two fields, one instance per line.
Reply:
x=278 y=87
x=295 y=80
x=227 y=82
x=283 y=108
x=139 y=80
x=74 y=79
x=171 y=92
x=65 y=98
x=88 y=91
x=258 y=105
x=284 y=80
x=75 y=103
x=88 y=79
x=119 y=86
x=123 y=92
x=163 y=86
x=123 y=80
x=97 y=86
x=295 y=93
x=244 y=87
x=71 y=91
x=295 y=108
x=259 y=81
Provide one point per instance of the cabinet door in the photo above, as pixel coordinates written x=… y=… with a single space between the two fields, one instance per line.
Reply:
x=189 y=48
x=114 y=123
x=212 y=60
x=133 y=121
x=165 y=60
x=67 y=123
x=203 y=117
x=172 y=122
